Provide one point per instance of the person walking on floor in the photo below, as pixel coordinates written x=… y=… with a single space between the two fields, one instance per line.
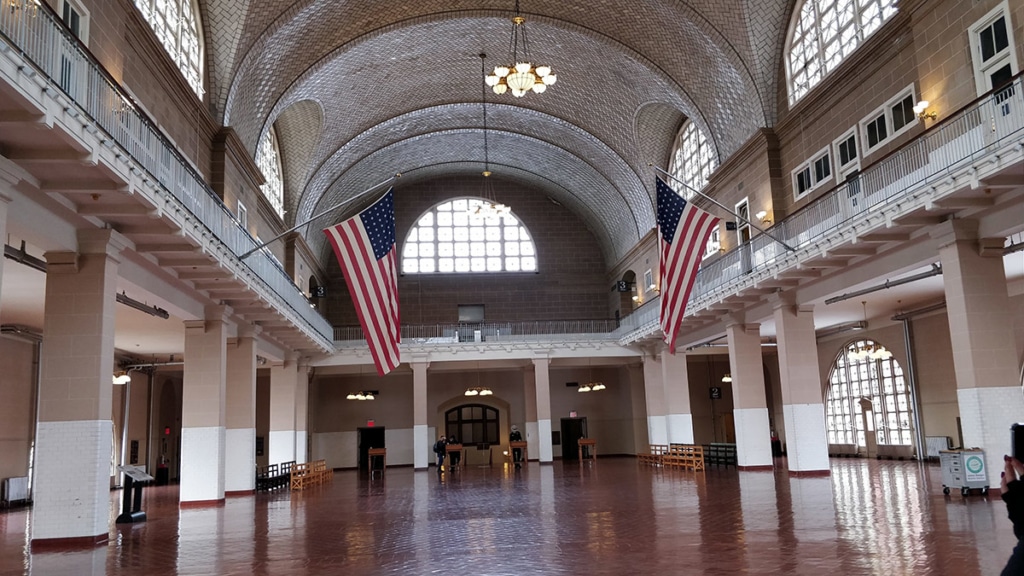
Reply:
x=439 y=449
x=517 y=453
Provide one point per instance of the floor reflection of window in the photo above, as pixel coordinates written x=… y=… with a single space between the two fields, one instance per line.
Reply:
x=878 y=380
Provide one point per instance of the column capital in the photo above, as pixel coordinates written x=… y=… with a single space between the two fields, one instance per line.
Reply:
x=103 y=241
x=955 y=230
x=748 y=327
x=249 y=330
x=61 y=262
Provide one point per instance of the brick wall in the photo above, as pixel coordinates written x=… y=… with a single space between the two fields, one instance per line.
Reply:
x=570 y=283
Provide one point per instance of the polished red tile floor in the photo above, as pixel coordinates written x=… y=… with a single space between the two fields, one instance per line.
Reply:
x=616 y=517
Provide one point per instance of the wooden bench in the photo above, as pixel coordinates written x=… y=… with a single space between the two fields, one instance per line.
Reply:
x=653 y=455
x=686 y=456
x=381 y=453
x=720 y=454
x=309 y=474
x=273 y=476
x=587 y=449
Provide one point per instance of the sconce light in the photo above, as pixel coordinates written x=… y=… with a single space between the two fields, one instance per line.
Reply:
x=727 y=378
x=361 y=395
x=763 y=217
x=653 y=288
x=921 y=109
x=121 y=378
x=31 y=7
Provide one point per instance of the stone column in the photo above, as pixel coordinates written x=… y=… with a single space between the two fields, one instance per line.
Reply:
x=74 y=432
x=654 y=399
x=4 y=203
x=240 y=413
x=750 y=407
x=203 y=408
x=421 y=444
x=283 y=379
x=301 y=410
x=984 y=347
x=803 y=407
x=543 y=382
x=531 y=431
x=679 y=419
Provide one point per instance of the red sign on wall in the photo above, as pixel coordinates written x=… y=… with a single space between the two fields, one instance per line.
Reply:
x=369 y=423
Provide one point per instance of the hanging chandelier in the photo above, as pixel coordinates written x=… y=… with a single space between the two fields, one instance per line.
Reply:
x=488 y=207
x=872 y=351
x=479 y=391
x=593 y=385
x=521 y=76
x=362 y=395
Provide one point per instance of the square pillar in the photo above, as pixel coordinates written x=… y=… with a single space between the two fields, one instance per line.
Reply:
x=750 y=406
x=4 y=203
x=543 y=383
x=984 y=346
x=301 y=410
x=530 y=405
x=803 y=408
x=679 y=417
x=74 y=431
x=240 y=413
x=421 y=446
x=654 y=399
x=283 y=381
x=203 y=408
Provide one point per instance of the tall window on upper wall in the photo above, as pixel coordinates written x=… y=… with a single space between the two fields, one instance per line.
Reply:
x=451 y=238
x=693 y=160
x=176 y=23
x=268 y=158
x=824 y=33
x=992 y=50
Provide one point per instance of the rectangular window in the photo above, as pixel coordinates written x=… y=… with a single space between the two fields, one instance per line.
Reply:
x=847 y=150
x=714 y=244
x=822 y=169
x=889 y=120
x=991 y=40
x=243 y=216
x=803 y=181
x=812 y=173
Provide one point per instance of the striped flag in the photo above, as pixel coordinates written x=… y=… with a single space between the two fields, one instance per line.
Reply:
x=365 y=247
x=683 y=229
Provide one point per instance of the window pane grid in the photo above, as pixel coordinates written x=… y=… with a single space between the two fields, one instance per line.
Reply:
x=449 y=238
x=176 y=24
x=693 y=160
x=826 y=32
x=268 y=158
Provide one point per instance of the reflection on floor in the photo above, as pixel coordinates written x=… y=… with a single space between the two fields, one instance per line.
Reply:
x=613 y=517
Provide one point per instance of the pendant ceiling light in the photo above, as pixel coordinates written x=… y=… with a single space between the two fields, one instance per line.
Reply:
x=521 y=76
x=489 y=207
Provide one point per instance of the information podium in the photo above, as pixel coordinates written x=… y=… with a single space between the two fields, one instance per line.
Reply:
x=131 y=507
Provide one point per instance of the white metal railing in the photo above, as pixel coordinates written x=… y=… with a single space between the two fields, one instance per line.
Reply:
x=527 y=331
x=39 y=37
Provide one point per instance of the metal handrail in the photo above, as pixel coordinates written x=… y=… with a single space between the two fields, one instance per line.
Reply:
x=42 y=40
x=490 y=331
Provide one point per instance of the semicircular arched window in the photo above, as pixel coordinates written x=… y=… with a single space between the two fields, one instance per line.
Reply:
x=693 y=160
x=268 y=158
x=176 y=23
x=823 y=33
x=878 y=379
x=451 y=238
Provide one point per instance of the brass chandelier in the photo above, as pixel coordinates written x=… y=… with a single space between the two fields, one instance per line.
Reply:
x=521 y=76
x=489 y=207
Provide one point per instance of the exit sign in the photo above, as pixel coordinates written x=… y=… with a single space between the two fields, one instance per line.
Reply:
x=369 y=423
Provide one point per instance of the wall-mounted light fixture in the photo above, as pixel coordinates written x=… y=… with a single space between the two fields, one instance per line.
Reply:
x=763 y=217
x=363 y=395
x=727 y=378
x=121 y=378
x=921 y=109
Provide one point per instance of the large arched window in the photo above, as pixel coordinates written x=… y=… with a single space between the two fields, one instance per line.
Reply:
x=880 y=380
x=176 y=23
x=824 y=33
x=450 y=237
x=268 y=158
x=472 y=424
x=693 y=160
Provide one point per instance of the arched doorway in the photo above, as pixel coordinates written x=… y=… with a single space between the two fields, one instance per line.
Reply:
x=878 y=379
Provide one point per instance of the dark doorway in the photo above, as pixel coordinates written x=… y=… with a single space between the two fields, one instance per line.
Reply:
x=572 y=430
x=369 y=438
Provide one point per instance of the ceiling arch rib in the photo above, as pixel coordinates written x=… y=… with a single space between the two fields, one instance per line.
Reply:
x=298 y=131
x=600 y=210
x=529 y=123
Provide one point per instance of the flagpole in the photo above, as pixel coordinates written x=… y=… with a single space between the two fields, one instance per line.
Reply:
x=720 y=205
x=332 y=208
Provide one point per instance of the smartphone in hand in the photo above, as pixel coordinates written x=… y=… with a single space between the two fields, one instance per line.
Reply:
x=1017 y=441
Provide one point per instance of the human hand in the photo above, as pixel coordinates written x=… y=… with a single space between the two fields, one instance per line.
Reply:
x=1012 y=470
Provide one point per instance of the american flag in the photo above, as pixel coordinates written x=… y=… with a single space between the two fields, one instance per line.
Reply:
x=684 y=231
x=365 y=247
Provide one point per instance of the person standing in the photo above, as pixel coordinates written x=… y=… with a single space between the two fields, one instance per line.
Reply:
x=440 y=450
x=517 y=453
x=1013 y=495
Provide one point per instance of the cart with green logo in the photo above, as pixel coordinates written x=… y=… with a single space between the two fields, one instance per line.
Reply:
x=963 y=469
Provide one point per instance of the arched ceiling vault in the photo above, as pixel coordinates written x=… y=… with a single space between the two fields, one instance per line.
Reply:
x=398 y=89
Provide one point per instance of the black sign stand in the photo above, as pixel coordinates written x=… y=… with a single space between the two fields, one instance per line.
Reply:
x=131 y=507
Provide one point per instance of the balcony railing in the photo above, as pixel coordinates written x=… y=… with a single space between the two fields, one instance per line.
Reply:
x=38 y=35
x=530 y=331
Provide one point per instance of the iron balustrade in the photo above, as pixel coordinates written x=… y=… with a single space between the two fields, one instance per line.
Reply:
x=527 y=331
x=38 y=35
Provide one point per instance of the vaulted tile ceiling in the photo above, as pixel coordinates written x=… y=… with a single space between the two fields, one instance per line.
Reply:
x=359 y=90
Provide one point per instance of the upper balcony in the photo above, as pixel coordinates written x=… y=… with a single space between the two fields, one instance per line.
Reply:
x=75 y=134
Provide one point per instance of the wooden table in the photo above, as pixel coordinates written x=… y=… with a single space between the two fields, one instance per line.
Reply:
x=454 y=448
x=382 y=453
x=591 y=444
x=513 y=446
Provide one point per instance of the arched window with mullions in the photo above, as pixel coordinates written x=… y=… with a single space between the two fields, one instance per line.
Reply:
x=472 y=424
x=823 y=33
x=693 y=160
x=177 y=25
x=268 y=158
x=455 y=236
x=878 y=377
